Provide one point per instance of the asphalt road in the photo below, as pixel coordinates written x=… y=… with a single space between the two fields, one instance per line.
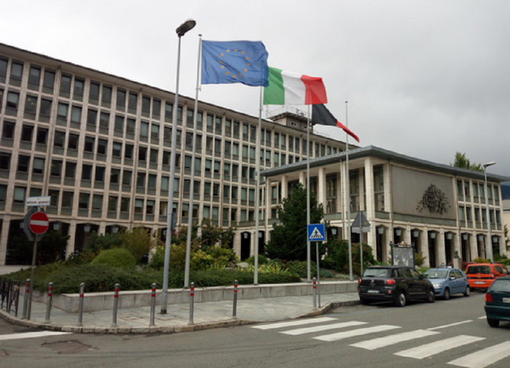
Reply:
x=451 y=333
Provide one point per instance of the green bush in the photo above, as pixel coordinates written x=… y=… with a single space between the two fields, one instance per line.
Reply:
x=262 y=260
x=116 y=257
x=225 y=277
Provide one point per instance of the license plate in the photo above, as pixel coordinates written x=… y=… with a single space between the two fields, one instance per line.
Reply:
x=506 y=300
x=479 y=282
x=373 y=291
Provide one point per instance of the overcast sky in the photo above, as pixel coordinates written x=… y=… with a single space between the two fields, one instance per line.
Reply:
x=424 y=78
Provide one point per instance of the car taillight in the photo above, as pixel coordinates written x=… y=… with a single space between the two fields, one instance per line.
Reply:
x=390 y=282
x=359 y=281
x=488 y=298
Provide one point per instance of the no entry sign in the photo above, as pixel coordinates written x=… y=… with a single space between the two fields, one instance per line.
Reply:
x=38 y=223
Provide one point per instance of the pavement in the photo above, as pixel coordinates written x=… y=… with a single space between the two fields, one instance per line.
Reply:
x=178 y=318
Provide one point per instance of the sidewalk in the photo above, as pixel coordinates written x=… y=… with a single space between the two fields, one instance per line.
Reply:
x=177 y=319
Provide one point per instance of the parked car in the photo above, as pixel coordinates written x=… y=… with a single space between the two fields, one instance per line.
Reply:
x=497 y=301
x=448 y=281
x=481 y=275
x=395 y=284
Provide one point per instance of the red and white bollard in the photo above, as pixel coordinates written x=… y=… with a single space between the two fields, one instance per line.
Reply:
x=234 y=307
x=115 y=304
x=49 y=302
x=191 y=302
x=153 y=305
x=314 y=293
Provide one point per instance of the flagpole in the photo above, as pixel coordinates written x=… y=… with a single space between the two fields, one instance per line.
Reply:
x=308 y=246
x=348 y=190
x=257 y=194
x=192 y=178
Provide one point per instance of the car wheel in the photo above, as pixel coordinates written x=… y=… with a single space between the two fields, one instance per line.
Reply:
x=401 y=299
x=493 y=322
x=431 y=297
x=446 y=294
x=467 y=292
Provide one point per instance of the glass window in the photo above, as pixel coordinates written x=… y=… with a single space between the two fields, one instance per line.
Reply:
x=60 y=138
x=92 y=118
x=94 y=93
x=5 y=160
x=19 y=194
x=8 y=130
x=16 y=73
x=12 y=103
x=23 y=163
x=65 y=85
x=79 y=85
x=106 y=97
x=56 y=168
x=76 y=114
x=83 y=203
x=121 y=100
x=27 y=132
x=38 y=165
x=70 y=171
x=45 y=108
x=3 y=70
x=34 y=77
x=42 y=135
x=86 y=172
x=48 y=81
x=133 y=101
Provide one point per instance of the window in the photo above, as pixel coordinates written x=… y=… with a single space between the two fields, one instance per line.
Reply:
x=38 y=165
x=94 y=93
x=48 y=81
x=70 y=172
x=117 y=149
x=3 y=70
x=16 y=73
x=121 y=100
x=99 y=178
x=102 y=146
x=119 y=123
x=83 y=203
x=19 y=194
x=89 y=144
x=42 y=136
x=126 y=177
x=62 y=112
x=104 y=120
x=112 y=204
x=106 y=97
x=23 y=163
x=56 y=168
x=8 y=130
x=133 y=101
x=27 y=132
x=65 y=85
x=78 y=89
x=92 y=118
x=146 y=105
x=76 y=114
x=86 y=173
x=12 y=103
x=60 y=138
x=45 y=109
x=5 y=160
x=67 y=199
x=34 y=78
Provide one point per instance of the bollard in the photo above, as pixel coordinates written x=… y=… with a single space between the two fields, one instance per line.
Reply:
x=153 y=305
x=80 y=307
x=234 y=307
x=25 y=300
x=115 y=304
x=314 y=293
x=191 y=302
x=49 y=302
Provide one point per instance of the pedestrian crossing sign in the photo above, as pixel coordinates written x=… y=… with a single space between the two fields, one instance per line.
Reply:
x=316 y=232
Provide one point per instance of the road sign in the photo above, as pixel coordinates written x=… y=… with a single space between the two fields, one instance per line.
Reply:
x=316 y=232
x=360 y=224
x=38 y=201
x=38 y=223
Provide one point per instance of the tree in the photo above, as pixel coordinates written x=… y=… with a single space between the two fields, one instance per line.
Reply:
x=289 y=236
x=461 y=161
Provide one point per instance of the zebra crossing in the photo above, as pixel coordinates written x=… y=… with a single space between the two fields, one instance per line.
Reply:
x=324 y=326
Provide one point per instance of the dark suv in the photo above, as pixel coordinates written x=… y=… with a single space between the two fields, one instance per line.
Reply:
x=396 y=284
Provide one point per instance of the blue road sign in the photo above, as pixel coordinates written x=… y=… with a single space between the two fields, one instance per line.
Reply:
x=316 y=232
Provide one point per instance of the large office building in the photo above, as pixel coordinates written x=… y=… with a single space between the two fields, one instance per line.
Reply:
x=99 y=146
x=440 y=210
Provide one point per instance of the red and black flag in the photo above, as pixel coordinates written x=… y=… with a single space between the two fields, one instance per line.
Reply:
x=322 y=116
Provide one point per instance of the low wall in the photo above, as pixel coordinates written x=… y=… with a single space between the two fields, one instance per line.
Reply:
x=130 y=299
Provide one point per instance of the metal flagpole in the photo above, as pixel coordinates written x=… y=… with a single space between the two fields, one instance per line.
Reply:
x=348 y=190
x=192 y=177
x=308 y=246
x=257 y=194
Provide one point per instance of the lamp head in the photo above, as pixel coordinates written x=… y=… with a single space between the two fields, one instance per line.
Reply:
x=185 y=27
x=490 y=163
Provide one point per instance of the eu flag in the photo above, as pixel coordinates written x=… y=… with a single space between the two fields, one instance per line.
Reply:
x=234 y=62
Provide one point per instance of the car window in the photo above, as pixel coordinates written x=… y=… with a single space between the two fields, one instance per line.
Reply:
x=415 y=274
x=498 y=269
x=404 y=272
x=435 y=274
x=500 y=286
x=458 y=274
x=479 y=269
x=376 y=272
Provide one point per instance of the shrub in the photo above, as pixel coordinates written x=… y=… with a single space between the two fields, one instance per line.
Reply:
x=116 y=257
x=481 y=260
x=262 y=260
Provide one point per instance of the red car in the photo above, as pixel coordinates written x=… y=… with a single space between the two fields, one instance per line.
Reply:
x=482 y=275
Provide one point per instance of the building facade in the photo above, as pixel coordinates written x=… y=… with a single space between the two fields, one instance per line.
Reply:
x=439 y=209
x=99 y=146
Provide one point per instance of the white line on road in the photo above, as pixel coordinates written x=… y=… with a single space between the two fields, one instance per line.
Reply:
x=358 y=332
x=427 y=350
x=485 y=357
x=305 y=330
x=393 y=339
x=31 y=335
x=299 y=322
x=450 y=325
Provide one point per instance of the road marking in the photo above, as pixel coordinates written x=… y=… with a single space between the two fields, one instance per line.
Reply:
x=305 y=330
x=450 y=325
x=31 y=335
x=358 y=332
x=485 y=357
x=393 y=339
x=427 y=350
x=299 y=322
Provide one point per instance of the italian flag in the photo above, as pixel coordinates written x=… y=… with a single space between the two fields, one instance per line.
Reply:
x=287 y=88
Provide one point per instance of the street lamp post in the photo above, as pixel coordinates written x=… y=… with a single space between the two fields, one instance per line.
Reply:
x=181 y=31
x=489 y=250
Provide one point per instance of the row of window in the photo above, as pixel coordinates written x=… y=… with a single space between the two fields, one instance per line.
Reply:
x=469 y=191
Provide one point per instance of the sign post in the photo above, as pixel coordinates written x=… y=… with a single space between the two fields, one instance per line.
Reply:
x=36 y=223
x=317 y=233
x=360 y=225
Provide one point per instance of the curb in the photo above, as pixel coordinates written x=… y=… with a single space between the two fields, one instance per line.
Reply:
x=159 y=329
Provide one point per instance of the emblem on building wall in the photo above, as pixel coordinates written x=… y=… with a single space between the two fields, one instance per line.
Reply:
x=434 y=200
